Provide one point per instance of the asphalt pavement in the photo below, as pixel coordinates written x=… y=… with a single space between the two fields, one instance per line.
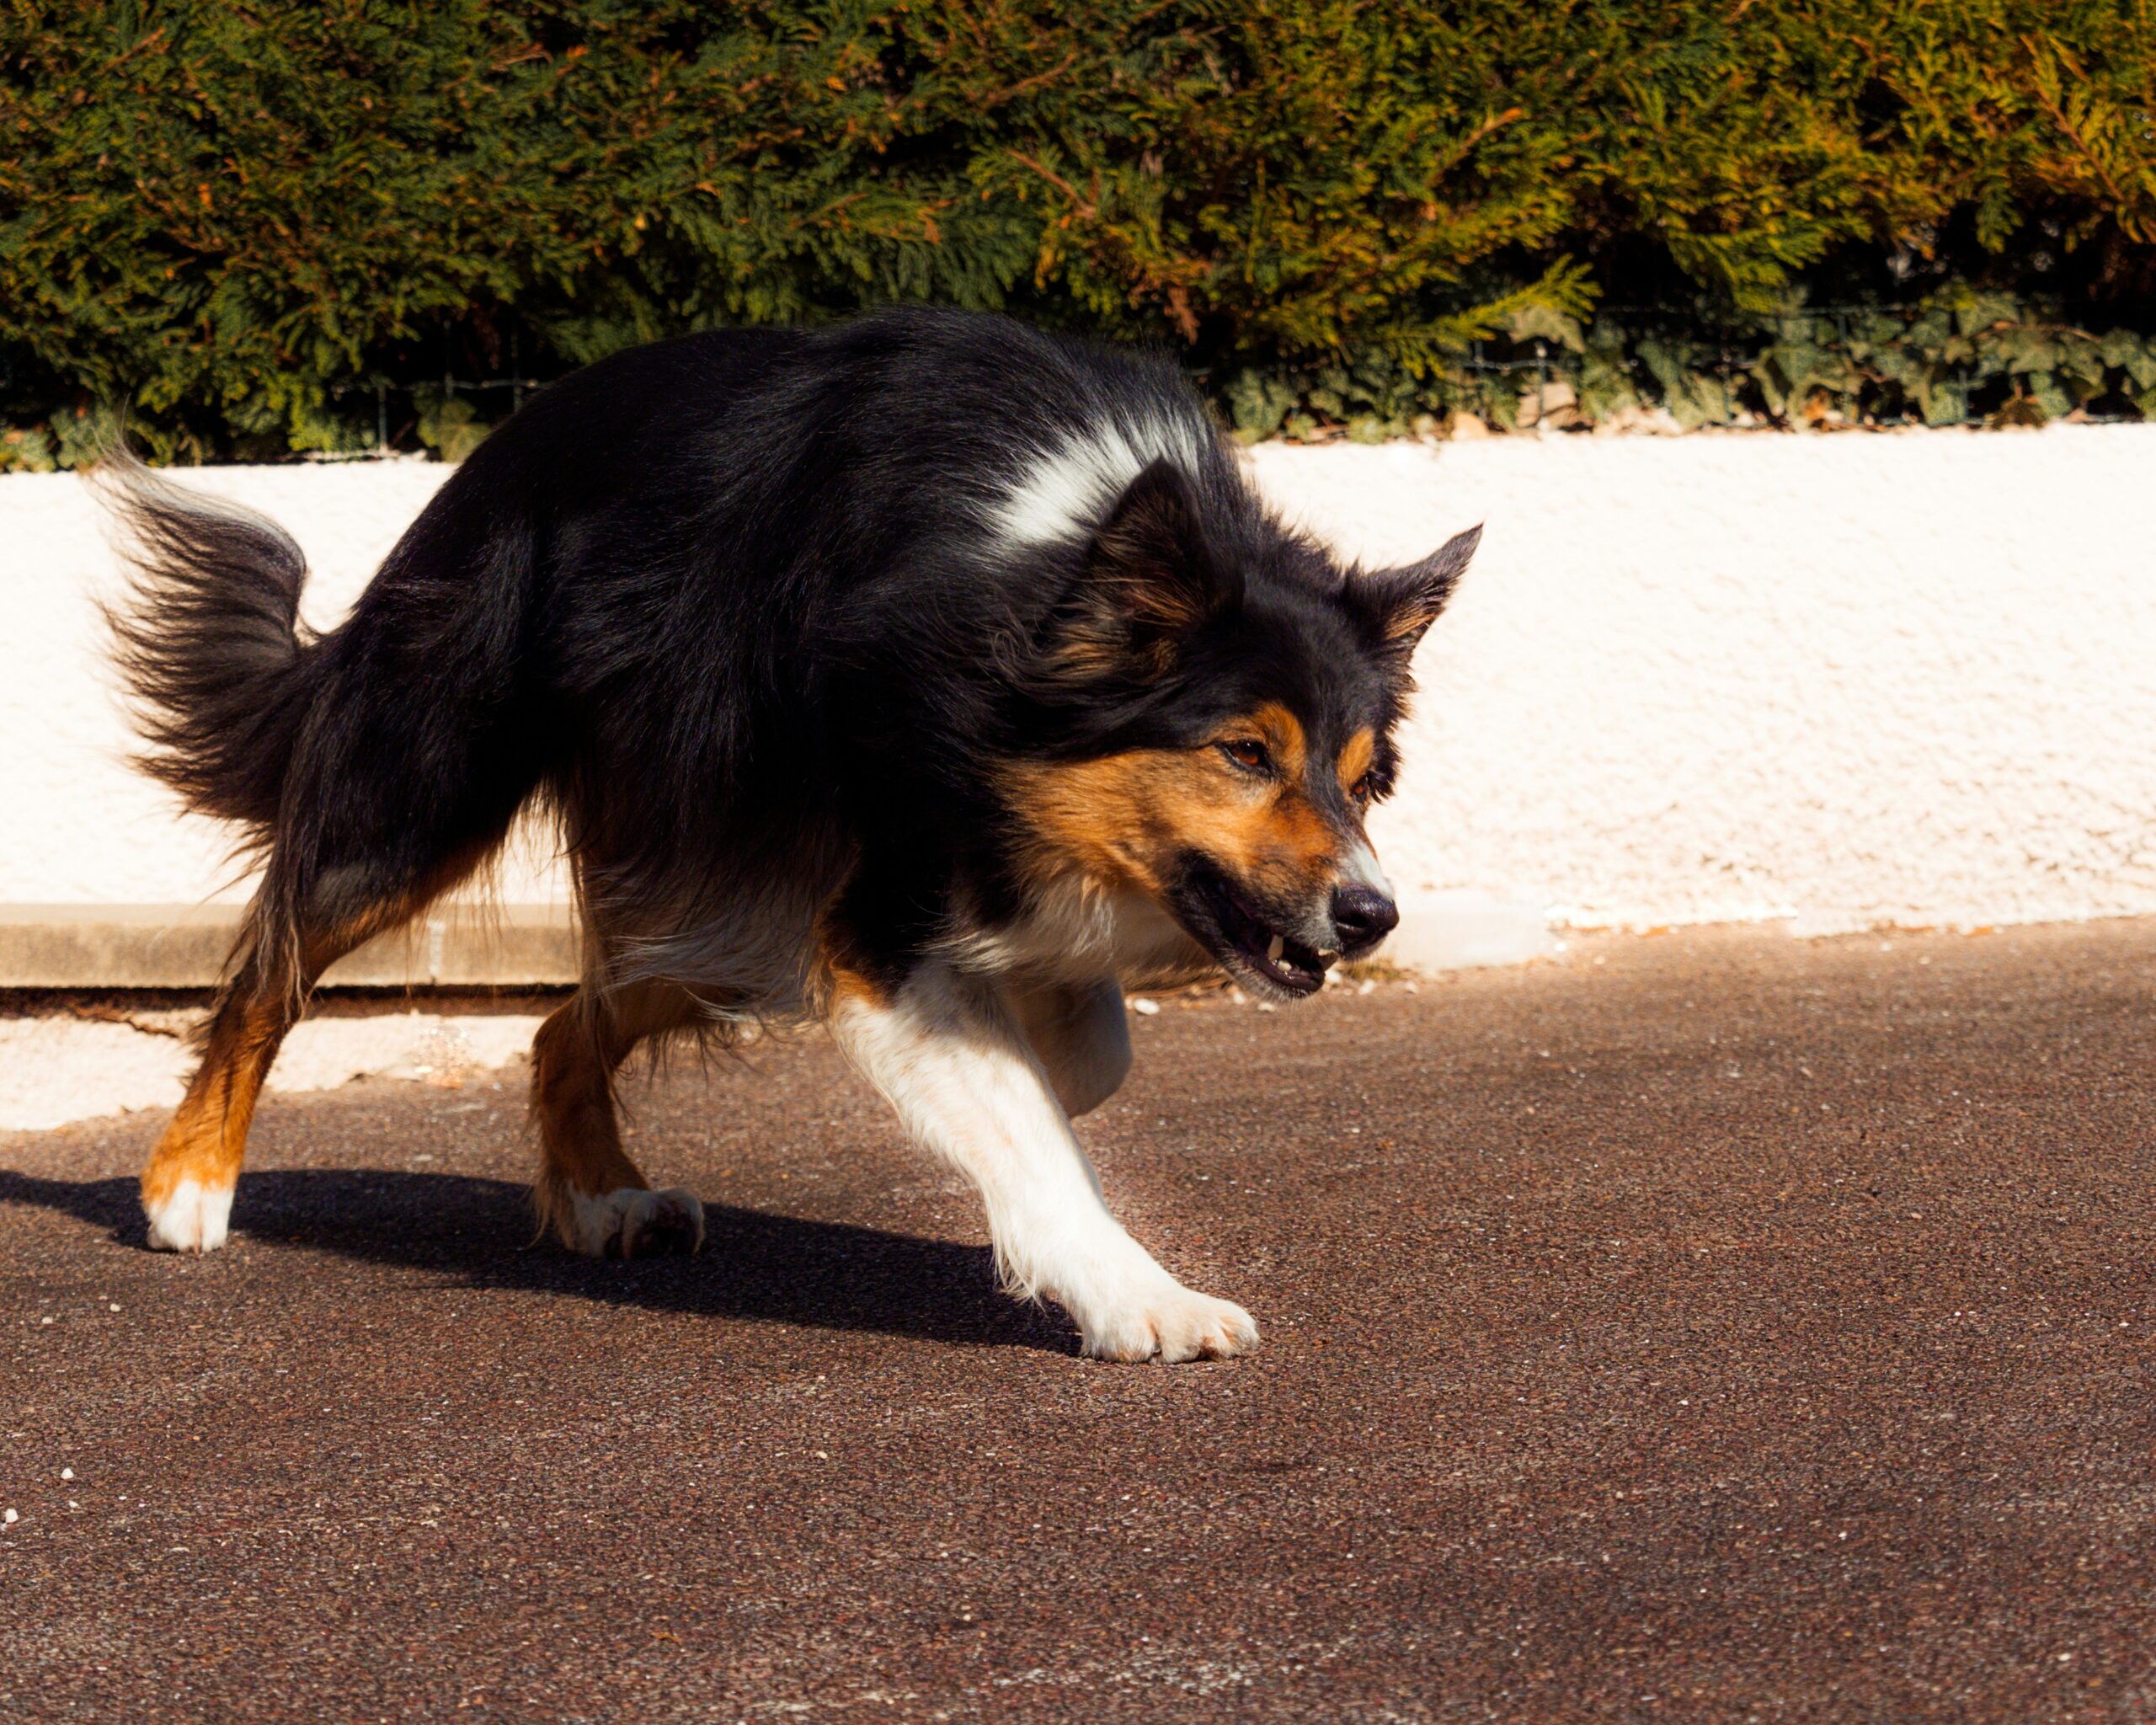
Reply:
x=1712 y=1327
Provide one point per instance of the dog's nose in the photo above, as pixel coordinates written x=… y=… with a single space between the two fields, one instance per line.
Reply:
x=1364 y=915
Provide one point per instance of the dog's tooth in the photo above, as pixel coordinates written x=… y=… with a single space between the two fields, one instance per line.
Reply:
x=1274 y=951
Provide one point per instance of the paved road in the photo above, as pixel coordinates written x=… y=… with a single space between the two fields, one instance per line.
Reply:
x=1705 y=1328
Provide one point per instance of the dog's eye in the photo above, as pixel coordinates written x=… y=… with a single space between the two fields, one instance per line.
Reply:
x=1248 y=754
x=1362 y=789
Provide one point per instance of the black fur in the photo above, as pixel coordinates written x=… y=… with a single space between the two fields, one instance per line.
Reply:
x=734 y=607
x=209 y=645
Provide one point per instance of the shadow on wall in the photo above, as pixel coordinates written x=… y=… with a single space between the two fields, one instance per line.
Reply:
x=755 y=1266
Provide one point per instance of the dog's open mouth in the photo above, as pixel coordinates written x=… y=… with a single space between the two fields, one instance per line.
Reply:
x=1269 y=955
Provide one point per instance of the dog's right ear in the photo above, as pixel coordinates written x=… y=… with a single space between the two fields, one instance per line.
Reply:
x=1149 y=580
x=1402 y=603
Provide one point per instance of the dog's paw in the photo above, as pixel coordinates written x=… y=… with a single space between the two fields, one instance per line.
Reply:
x=1168 y=1322
x=634 y=1223
x=191 y=1217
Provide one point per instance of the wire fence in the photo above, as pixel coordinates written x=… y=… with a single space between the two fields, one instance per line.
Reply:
x=1831 y=364
x=1852 y=364
x=411 y=394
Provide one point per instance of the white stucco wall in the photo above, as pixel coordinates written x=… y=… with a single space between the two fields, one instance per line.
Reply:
x=1848 y=679
x=1851 y=680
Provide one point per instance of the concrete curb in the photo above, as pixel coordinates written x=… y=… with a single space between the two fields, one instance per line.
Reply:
x=1465 y=931
x=183 y=946
x=535 y=946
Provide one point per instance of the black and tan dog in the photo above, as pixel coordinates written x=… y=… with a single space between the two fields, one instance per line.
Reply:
x=923 y=675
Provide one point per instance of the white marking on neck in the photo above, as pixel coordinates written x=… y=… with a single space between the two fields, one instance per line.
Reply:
x=1064 y=493
x=1077 y=930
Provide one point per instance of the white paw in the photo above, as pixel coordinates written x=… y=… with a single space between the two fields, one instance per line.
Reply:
x=194 y=1218
x=631 y=1222
x=1160 y=1318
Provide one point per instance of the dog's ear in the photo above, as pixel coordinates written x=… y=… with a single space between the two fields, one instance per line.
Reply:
x=1149 y=580
x=1402 y=603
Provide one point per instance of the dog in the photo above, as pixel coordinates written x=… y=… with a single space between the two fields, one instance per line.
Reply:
x=923 y=675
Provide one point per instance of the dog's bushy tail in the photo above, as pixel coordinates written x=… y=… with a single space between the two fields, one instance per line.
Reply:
x=207 y=642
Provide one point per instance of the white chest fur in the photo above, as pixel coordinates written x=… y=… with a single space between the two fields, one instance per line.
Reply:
x=1078 y=932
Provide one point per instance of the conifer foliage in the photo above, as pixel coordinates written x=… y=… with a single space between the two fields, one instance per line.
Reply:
x=240 y=220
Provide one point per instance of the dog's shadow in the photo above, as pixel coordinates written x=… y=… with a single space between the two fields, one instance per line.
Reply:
x=754 y=1265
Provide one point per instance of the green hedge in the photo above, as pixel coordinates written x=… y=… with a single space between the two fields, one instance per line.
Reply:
x=238 y=219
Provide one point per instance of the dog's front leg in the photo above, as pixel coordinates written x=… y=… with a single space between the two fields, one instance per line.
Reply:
x=944 y=1049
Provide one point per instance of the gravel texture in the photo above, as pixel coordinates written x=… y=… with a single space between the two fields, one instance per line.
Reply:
x=55 y=1068
x=1710 y=1327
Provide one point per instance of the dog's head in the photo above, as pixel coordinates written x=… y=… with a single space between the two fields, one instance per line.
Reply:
x=1215 y=705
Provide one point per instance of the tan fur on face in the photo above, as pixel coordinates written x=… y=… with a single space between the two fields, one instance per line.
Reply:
x=1124 y=818
x=1356 y=756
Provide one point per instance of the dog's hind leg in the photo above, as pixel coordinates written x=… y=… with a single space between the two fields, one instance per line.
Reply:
x=187 y=1188
x=588 y=1194
x=383 y=814
x=377 y=766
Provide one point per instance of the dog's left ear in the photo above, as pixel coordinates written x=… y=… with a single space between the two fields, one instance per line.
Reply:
x=1149 y=559
x=1404 y=602
x=1150 y=581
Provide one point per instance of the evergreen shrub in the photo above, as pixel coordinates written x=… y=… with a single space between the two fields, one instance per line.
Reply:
x=293 y=225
